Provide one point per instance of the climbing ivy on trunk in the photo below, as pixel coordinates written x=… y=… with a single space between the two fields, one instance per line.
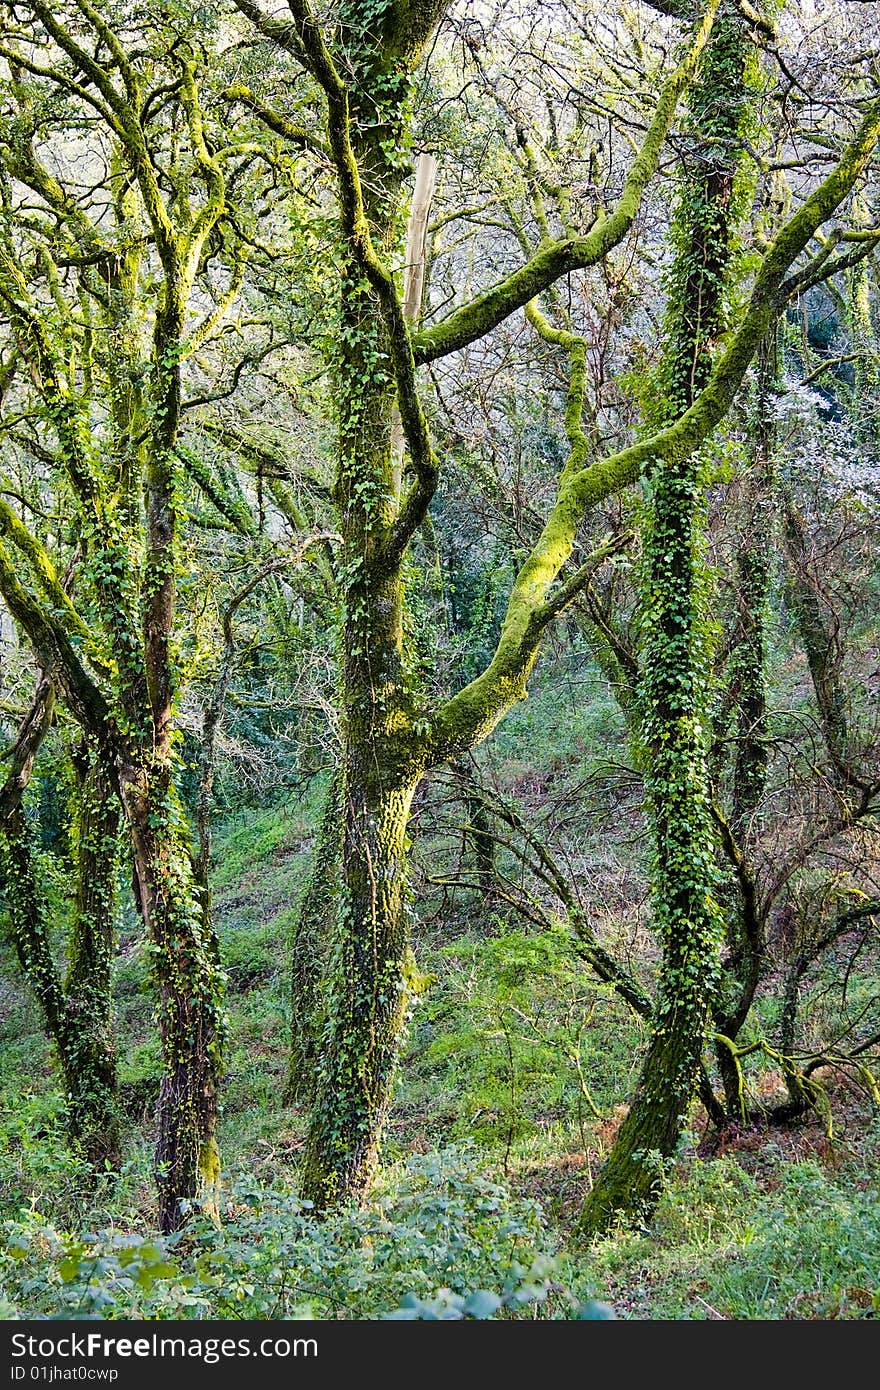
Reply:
x=676 y=643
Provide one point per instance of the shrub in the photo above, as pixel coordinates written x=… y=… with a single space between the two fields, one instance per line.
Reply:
x=443 y=1232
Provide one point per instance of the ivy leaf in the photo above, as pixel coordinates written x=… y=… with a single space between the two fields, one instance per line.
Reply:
x=69 y=1269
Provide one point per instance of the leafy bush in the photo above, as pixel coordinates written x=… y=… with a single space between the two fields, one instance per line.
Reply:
x=37 y=1167
x=444 y=1232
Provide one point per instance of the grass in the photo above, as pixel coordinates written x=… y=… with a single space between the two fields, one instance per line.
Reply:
x=792 y=1242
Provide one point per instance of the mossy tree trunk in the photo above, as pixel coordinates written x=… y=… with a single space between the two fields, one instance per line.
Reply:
x=87 y=987
x=685 y=913
x=367 y=997
x=186 y=966
x=675 y=659
x=175 y=908
x=369 y=991
x=86 y=1061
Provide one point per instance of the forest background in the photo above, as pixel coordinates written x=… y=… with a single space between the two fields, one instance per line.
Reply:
x=438 y=548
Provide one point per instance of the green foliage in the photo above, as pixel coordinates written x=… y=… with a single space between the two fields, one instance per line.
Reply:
x=793 y=1242
x=438 y=1225
x=521 y=1287
x=515 y=1040
x=38 y=1169
x=815 y=1251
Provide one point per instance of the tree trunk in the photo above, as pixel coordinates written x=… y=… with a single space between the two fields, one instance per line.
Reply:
x=685 y=914
x=799 y=1097
x=380 y=773
x=369 y=1003
x=91 y=1080
x=745 y=926
x=674 y=717
x=634 y=1175
x=368 y=995
x=77 y=1014
x=189 y=981
x=77 y=1022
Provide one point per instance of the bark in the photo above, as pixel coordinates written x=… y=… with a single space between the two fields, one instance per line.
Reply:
x=799 y=1093
x=685 y=913
x=91 y=1080
x=369 y=1006
x=744 y=922
x=634 y=1174
x=368 y=995
x=189 y=982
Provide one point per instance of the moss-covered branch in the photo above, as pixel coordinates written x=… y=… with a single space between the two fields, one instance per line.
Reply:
x=276 y=122
x=550 y=263
x=55 y=651
x=45 y=575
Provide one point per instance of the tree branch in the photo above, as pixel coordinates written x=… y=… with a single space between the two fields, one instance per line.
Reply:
x=550 y=263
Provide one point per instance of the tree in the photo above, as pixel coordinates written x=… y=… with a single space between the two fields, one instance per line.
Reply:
x=97 y=293
x=675 y=648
